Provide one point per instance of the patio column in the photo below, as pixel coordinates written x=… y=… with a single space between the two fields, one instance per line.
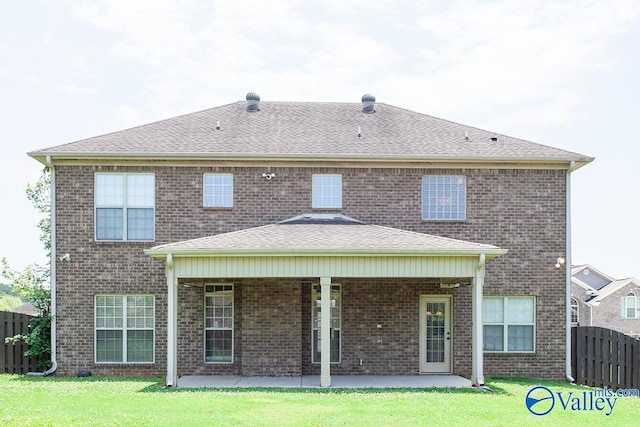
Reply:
x=325 y=332
x=172 y=324
x=477 y=343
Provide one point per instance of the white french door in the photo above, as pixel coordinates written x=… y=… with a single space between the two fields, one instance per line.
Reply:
x=435 y=334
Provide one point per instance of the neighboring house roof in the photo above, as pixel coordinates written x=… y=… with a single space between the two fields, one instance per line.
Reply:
x=612 y=288
x=598 y=284
x=26 y=308
x=311 y=130
x=320 y=235
x=589 y=277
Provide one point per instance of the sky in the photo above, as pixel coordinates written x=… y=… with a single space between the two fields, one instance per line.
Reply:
x=560 y=73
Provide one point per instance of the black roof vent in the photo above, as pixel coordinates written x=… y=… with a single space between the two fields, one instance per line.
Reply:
x=368 y=104
x=253 y=102
x=494 y=138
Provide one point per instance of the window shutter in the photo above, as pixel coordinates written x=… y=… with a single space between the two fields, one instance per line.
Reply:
x=623 y=305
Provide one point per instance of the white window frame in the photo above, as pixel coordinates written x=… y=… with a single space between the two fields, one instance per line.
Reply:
x=326 y=190
x=631 y=302
x=444 y=198
x=336 y=319
x=124 y=328
x=575 y=312
x=505 y=323
x=227 y=290
x=124 y=204
x=213 y=191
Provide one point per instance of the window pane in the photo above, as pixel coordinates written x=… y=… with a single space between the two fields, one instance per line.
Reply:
x=109 y=346
x=109 y=189
x=520 y=310
x=219 y=346
x=327 y=191
x=493 y=336
x=218 y=190
x=108 y=224
x=493 y=310
x=335 y=324
x=140 y=312
x=520 y=338
x=141 y=190
x=444 y=197
x=139 y=346
x=140 y=224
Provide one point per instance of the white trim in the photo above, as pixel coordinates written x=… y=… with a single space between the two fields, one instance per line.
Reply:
x=172 y=324
x=233 y=321
x=477 y=343
x=325 y=356
x=124 y=329
x=432 y=367
x=204 y=190
x=316 y=186
x=505 y=324
x=124 y=207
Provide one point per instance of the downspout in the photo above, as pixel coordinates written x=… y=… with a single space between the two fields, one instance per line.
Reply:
x=567 y=353
x=54 y=363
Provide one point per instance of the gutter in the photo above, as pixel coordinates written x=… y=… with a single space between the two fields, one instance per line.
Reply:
x=567 y=266
x=54 y=363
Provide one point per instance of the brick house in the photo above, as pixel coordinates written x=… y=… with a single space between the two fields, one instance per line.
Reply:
x=601 y=300
x=296 y=238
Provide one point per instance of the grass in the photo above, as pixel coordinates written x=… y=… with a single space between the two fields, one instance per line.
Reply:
x=95 y=401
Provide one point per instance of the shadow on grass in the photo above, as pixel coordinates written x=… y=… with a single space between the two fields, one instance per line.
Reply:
x=497 y=385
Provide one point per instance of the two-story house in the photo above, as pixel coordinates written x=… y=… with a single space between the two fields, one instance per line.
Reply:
x=310 y=238
x=598 y=299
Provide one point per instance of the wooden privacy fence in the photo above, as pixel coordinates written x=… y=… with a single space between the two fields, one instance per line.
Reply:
x=12 y=358
x=605 y=358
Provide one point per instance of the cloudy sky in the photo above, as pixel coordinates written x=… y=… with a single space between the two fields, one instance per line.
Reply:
x=562 y=73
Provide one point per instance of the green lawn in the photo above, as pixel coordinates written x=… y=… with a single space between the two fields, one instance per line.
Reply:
x=36 y=401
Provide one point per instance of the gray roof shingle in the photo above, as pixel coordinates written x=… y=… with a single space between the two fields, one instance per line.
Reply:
x=309 y=130
x=326 y=239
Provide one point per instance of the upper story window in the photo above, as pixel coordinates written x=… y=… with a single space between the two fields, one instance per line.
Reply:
x=574 y=312
x=125 y=206
x=444 y=197
x=327 y=191
x=509 y=324
x=218 y=190
x=631 y=306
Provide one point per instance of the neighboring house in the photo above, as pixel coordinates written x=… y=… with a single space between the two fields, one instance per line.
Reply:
x=600 y=300
x=295 y=238
x=26 y=308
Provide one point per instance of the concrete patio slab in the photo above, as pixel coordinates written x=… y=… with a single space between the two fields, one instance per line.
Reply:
x=337 y=381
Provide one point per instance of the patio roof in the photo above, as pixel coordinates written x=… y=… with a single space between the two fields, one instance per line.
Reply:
x=324 y=234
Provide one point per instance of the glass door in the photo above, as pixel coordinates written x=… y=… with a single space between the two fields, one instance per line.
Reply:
x=435 y=334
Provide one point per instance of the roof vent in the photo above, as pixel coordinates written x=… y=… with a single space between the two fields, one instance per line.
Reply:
x=368 y=104
x=494 y=138
x=253 y=102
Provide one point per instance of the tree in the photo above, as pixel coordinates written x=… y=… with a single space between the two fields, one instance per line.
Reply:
x=33 y=282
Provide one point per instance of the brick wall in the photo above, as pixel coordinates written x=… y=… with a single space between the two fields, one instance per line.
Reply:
x=609 y=313
x=520 y=210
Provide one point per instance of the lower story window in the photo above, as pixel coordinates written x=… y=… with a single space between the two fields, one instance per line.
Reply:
x=218 y=318
x=508 y=324
x=124 y=328
x=336 y=324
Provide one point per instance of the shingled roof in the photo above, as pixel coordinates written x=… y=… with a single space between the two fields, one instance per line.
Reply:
x=310 y=130
x=318 y=236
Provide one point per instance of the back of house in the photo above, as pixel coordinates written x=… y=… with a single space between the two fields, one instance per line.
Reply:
x=305 y=238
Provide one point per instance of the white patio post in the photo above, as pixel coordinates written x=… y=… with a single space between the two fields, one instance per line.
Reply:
x=325 y=332
x=477 y=343
x=172 y=324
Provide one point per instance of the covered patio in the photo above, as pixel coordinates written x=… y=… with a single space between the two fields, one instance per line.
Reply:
x=324 y=247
